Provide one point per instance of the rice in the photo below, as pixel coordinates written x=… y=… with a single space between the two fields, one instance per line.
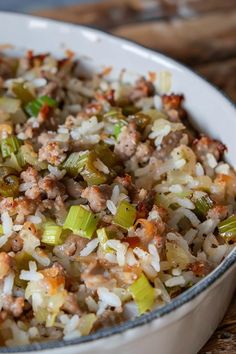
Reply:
x=7 y=223
x=90 y=247
x=31 y=274
x=155 y=258
x=211 y=160
x=101 y=166
x=175 y=281
x=108 y=297
x=91 y=148
x=111 y=207
x=8 y=284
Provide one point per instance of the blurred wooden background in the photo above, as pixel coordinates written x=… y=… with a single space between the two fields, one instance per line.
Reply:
x=200 y=33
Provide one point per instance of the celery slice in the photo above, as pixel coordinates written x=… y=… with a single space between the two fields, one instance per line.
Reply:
x=81 y=221
x=83 y=164
x=90 y=173
x=203 y=205
x=118 y=127
x=13 y=162
x=52 y=234
x=105 y=154
x=86 y=323
x=33 y=107
x=103 y=237
x=75 y=163
x=143 y=294
x=9 y=145
x=22 y=92
x=125 y=215
x=227 y=228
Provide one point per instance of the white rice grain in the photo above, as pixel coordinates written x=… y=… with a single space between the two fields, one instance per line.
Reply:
x=211 y=160
x=155 y=258
x=7 y=223
x=89 y=248
x=8 y=284
x=108 y=297
x=222 y=168
x=175 y=281
x=31 y=274
x=111 y=207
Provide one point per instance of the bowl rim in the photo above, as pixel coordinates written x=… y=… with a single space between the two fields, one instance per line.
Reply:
x=188 y=295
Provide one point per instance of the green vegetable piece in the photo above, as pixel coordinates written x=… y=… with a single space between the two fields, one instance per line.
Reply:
x=90 y=173
x=1 y=229
x=203 y=205
x=103 y=237
x=117 y=129
x=12 y=161
x=27 y=155
x=9 y=145
x=115 y=112
x=227 y=228
x=22 y=92
x=86 y=323
x=75 y=163
x=125 y=215
x=33 y=107
x=83 y=164
x=22 y=260
x=9 y=183
x=143 y=294
x=105 y=154
x=81 y=221
x=142 y=120
x=52 y=234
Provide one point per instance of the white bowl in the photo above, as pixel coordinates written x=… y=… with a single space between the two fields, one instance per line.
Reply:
x=184 y=325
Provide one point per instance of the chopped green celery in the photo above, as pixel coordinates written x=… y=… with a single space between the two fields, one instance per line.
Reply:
x=22 y=92
x=114 y=112
x=227 y=228
x=118 y=127
x=103 y=237
x=52 y=234
x=22 y=260
x=203 y=205
x=9 y=185
x=27 y=155
x=83 y=164
x=75 y=163
x=90 y=173
x=155 y=114
x=81 y=221
x=105 y=154
x=143 y=294
x=86 y=323
x=9 y=145
x=33 y=107
x=13 y=162
x=142 y=120
x=125 y=215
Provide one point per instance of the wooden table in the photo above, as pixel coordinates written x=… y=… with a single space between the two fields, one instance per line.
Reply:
x=200 y=33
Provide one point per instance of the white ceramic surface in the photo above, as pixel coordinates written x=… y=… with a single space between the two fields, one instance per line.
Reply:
x=186 y=325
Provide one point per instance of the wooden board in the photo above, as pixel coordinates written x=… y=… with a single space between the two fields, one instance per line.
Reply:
x=200 y=33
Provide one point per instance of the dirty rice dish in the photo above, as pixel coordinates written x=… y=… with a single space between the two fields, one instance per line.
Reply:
x=111 y=204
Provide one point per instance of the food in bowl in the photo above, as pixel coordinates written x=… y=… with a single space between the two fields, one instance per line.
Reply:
x=111 y=203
